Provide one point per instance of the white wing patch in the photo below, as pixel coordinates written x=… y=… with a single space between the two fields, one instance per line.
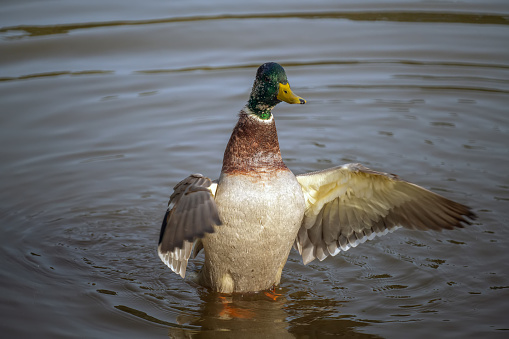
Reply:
x=176 y=259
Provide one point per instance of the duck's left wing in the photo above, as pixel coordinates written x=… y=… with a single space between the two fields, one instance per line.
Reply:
x=347 y=205
x=191 y=213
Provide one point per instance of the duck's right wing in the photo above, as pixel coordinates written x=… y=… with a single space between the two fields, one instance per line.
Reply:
x=191 y=213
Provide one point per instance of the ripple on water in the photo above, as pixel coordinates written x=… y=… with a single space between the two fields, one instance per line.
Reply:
x=105 y=115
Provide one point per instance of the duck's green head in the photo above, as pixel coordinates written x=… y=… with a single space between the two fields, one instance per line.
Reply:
x=269 y=89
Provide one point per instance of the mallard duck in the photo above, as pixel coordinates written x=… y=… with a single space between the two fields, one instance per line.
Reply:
x=248 y=219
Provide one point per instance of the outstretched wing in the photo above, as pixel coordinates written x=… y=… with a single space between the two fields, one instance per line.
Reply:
x=347 y=205
x=191 y=213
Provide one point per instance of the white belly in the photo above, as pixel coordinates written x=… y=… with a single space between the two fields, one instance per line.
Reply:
x=261 y=218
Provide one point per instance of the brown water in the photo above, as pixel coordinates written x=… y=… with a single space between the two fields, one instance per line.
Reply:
x=105 y=105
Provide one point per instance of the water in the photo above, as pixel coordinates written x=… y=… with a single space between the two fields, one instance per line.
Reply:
x=106 y=105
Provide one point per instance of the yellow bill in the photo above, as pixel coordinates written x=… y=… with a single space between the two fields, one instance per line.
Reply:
x=285 y=94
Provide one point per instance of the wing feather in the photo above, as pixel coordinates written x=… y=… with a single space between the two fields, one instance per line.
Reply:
x=347 y=205
x=191 y=214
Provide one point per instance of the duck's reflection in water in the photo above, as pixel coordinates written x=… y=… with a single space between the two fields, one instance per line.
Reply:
x=266 y=315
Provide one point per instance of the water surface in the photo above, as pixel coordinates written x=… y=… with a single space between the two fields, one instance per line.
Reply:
x=107 y=105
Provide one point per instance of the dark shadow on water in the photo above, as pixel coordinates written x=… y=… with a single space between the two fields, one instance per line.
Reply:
x=464 y=18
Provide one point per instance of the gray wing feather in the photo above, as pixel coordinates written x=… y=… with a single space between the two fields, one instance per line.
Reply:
x=347 y=205
x=191 y=214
